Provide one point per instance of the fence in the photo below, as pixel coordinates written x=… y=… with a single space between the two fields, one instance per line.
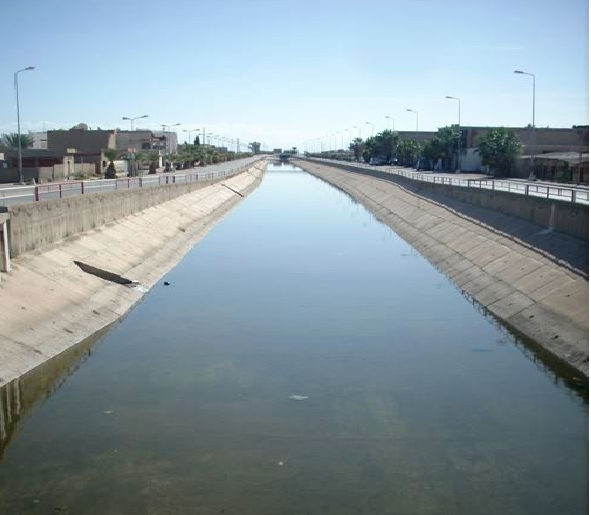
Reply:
x=565 y=193
x=51 y=191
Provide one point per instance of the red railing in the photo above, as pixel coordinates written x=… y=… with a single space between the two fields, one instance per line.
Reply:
x=60 y=190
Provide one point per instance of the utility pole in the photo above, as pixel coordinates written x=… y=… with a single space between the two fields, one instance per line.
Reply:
x=532 y=137
x=18 y=123
x=459 y=133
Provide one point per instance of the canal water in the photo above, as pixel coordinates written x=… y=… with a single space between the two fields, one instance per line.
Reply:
x=303 y=360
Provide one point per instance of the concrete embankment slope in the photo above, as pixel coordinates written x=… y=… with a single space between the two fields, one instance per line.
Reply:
x=48 y=303
x=539 y=289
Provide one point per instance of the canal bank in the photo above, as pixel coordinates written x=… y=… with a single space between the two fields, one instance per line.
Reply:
x=50 y=301
x=539 y=288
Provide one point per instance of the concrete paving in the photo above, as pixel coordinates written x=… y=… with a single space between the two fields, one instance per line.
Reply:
x=536 y=282
x=49 y=304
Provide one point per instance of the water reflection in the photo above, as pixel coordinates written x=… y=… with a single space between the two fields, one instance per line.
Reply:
x=20 y=396
x=304 y=359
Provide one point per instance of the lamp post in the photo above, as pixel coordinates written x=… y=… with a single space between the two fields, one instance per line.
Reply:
x=131 y=120
x=532 y=174
x=348 y=137
x=417 y=118
x=371 y=124
x=391 y=118
x=459 y=133
x=18 y=123
x=190 y=131
x=164 y=126
x=342 y=140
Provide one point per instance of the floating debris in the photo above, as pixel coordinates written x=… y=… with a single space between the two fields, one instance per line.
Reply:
x=298 y=397
x=166 y=283
x=108 y=412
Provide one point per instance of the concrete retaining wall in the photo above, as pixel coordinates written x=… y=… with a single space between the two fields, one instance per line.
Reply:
x=568 y=218
x=535 y=283
x=33 y=226
x=49 y=303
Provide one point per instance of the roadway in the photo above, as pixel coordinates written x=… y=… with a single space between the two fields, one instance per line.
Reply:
x=16 y=194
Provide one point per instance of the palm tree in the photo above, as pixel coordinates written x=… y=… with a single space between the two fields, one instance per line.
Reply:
x=11 y=140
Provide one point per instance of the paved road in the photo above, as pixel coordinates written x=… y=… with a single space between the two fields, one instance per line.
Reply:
x=15 y=194
x=542 y=189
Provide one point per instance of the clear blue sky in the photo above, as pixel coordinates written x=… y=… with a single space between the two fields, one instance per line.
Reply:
x=282 y=71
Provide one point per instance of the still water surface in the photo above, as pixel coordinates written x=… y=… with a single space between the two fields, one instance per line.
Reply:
x=417 y=403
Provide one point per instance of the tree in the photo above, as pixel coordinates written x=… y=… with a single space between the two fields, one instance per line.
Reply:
x=499 y=149
x=196 y=141
x=433 y=150
x=444 y=145
x=383 y=145
x=408 y=152
x=366 y=154
x=255 y=146
x=150 y=157
x=357 y=147
x=111 y=154
x=11 y=140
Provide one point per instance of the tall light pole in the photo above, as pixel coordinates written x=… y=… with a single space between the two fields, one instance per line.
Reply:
x=391 y=118
x=131 y=120
x=18 y=123
x=459 y=132
x=164 y=126
x=348 y=137
x=190 y=131
x=358 y=130
x=371 y=124
x=342 y=133
x=532 y=174
x=417 y=118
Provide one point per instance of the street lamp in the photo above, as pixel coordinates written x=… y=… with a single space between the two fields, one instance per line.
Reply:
x=18 y=123
x=459 y=133
x=392 y=122
x=131 y=120
x=358 y=130
x=190 y=131
x=532 y=175
x=164 y=126
x=417 y=118
x=368 y=123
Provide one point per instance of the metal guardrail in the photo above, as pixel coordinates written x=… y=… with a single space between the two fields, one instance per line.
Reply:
x=567 y=194
x=60 y=190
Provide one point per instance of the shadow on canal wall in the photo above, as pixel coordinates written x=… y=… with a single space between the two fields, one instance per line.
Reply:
x=536 y=294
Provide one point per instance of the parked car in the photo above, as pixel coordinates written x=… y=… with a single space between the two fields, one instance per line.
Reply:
x=377 y=161
x=423 y=164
